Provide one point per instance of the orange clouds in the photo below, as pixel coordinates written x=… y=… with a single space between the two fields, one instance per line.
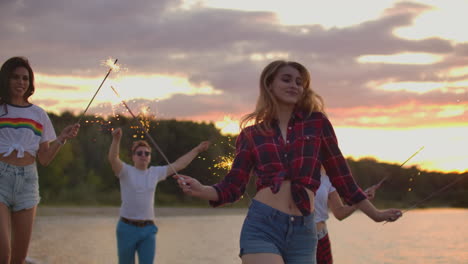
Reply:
x=406 y=115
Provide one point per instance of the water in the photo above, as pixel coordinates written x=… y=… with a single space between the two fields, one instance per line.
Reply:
x=209 y=236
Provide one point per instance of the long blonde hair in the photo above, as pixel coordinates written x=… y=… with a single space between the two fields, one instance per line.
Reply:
x=267 y=106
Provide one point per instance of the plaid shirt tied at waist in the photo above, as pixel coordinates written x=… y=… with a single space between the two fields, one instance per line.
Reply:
x=310 y=142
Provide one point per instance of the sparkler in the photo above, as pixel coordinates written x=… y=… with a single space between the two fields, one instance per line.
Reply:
x=432 y=195
x=153 y=142
x=99 y=88
x=225 y=162
x=388 y=176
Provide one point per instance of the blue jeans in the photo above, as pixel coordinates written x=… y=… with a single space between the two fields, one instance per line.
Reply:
x=19 y=186
x=132 y=239
x=267 y=230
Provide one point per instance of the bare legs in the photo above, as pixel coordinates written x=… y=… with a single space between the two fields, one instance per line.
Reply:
x=15 y=251
x=5 y=247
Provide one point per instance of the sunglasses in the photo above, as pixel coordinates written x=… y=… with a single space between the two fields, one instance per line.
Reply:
x=140 y=153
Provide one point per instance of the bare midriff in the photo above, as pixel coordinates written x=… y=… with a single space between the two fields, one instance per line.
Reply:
x=14 y=160
x=282 y=200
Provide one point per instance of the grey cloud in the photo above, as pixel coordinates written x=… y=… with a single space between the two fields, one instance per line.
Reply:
x=181 y=106
x=214 y=47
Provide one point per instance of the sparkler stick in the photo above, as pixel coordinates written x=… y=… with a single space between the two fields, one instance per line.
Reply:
x=99 y=88
x=153 y=142
x=388 y=176
x=431 y=195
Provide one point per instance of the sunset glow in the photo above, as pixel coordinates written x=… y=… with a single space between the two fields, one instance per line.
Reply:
x=436 y=23
x=396 y=145
x=393 y=74
x=133 y=86
x=402 y=58
x=228 y=125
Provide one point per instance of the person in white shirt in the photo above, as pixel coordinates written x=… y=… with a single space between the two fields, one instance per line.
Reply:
x=327 y=197
x=26 y=135
x=136 y=231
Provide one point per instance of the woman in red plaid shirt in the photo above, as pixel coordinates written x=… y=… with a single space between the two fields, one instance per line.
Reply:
x=290 y=140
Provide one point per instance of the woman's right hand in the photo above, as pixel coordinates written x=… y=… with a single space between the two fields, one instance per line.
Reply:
x=189 y=185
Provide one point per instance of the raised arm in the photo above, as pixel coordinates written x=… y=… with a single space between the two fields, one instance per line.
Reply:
x=114 y=151
x=188 y=157
x=47 y=151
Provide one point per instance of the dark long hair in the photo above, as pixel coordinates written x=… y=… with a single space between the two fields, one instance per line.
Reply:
x=6 y=73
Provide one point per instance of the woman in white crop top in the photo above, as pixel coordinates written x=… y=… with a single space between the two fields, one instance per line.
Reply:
x=327 y=197
x=26 y=134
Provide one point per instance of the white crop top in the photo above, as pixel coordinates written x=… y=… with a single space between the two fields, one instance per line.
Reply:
x=23 y=128
x=137 y=188
x=321 y=198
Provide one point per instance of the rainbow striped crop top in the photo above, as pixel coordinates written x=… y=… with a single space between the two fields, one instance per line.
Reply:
x=23 y=128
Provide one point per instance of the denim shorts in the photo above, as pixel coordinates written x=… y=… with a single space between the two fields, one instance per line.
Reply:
x=267 y=230
x=19 y=186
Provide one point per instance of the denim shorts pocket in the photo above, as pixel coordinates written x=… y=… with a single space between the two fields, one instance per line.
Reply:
x=310 y=227
x=3 y=171
x=31 y=183
x=258 y=218
x=31 y=178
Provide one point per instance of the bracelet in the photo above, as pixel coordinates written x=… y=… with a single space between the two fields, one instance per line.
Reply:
x=61 y=143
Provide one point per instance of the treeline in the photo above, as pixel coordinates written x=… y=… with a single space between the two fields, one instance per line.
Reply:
x=81 y=174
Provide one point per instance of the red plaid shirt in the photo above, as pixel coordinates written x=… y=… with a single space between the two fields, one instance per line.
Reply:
x=310 y=142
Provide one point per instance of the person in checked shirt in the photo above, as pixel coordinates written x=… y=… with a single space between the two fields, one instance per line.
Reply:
x=289 y=141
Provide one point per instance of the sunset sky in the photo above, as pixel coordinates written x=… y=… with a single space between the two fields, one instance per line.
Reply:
x=393 y=74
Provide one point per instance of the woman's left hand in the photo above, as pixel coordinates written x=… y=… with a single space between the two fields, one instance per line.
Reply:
x=389 y=215
x=70 y=131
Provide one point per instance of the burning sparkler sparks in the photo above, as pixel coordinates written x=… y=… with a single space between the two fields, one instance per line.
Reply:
x=114 y=65
x=411 y=181
x=150 y=138
x=224 y=162
x=111 y=64
x=434 y=193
